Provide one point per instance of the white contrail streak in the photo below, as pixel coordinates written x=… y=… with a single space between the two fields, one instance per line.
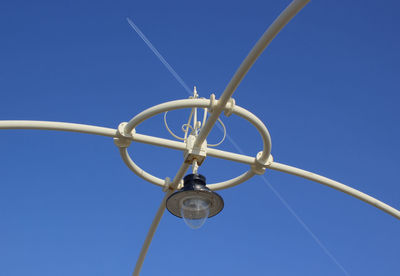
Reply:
x=304 y=225
x=160 y=57
x=292 y=212
x=236 y=146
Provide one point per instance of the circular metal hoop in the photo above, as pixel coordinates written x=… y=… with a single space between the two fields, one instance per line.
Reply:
x=200 y=103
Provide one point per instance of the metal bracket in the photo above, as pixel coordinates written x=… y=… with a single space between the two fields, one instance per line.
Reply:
x=124 y=139
x=230 y=105
x=228 y=108
x=213 y=103
x=167 y=184
x=195 y=153
x=259 y=166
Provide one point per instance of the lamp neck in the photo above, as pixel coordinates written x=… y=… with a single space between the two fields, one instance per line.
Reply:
x=194 y=182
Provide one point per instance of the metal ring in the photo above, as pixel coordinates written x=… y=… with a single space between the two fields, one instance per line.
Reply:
x=200 y=103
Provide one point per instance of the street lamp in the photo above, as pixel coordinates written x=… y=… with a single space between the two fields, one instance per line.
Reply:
x=195 y=202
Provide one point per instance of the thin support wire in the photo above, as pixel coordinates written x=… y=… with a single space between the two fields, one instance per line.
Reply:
x=223 y=138
x=186 y=127
x=173 y=134
x=194 y=110
x=195 y=128
x=204 y=117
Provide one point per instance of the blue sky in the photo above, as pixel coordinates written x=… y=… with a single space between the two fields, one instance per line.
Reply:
x=327 y=88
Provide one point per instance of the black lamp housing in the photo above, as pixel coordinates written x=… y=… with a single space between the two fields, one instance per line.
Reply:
x=194 y=185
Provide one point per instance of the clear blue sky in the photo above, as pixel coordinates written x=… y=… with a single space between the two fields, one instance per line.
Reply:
x=327 y=88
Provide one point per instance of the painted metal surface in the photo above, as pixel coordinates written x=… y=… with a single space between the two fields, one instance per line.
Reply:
x=125 y=134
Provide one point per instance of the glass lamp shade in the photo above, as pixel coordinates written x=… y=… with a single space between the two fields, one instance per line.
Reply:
x=194 y=202
x=195 y=211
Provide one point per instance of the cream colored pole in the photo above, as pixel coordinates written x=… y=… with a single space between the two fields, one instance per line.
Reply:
x=336 y=185
x=267 y=37
x=150 y=234
x=145 y=247
x=261 y=44
x=109 y=132
x=46 y=125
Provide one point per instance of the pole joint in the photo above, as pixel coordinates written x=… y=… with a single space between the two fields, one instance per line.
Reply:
x=193 y=153
x=260 y=164
x=123 y=139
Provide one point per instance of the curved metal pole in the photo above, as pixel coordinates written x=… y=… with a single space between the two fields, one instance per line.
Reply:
x=262 y=129
x=261 y=44
x=150 y=234
x=232 y=182
x=89 y=129
x=137 y=170
x=140 y=138
x=46 y=125
x=166 y=143
x=163 y=107
x=335 y=185
x=267 y=37
x=145 y=247
x=156 y=141
x=226 y=155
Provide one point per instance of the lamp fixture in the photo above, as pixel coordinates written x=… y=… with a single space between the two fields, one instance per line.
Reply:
x=194 y=202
